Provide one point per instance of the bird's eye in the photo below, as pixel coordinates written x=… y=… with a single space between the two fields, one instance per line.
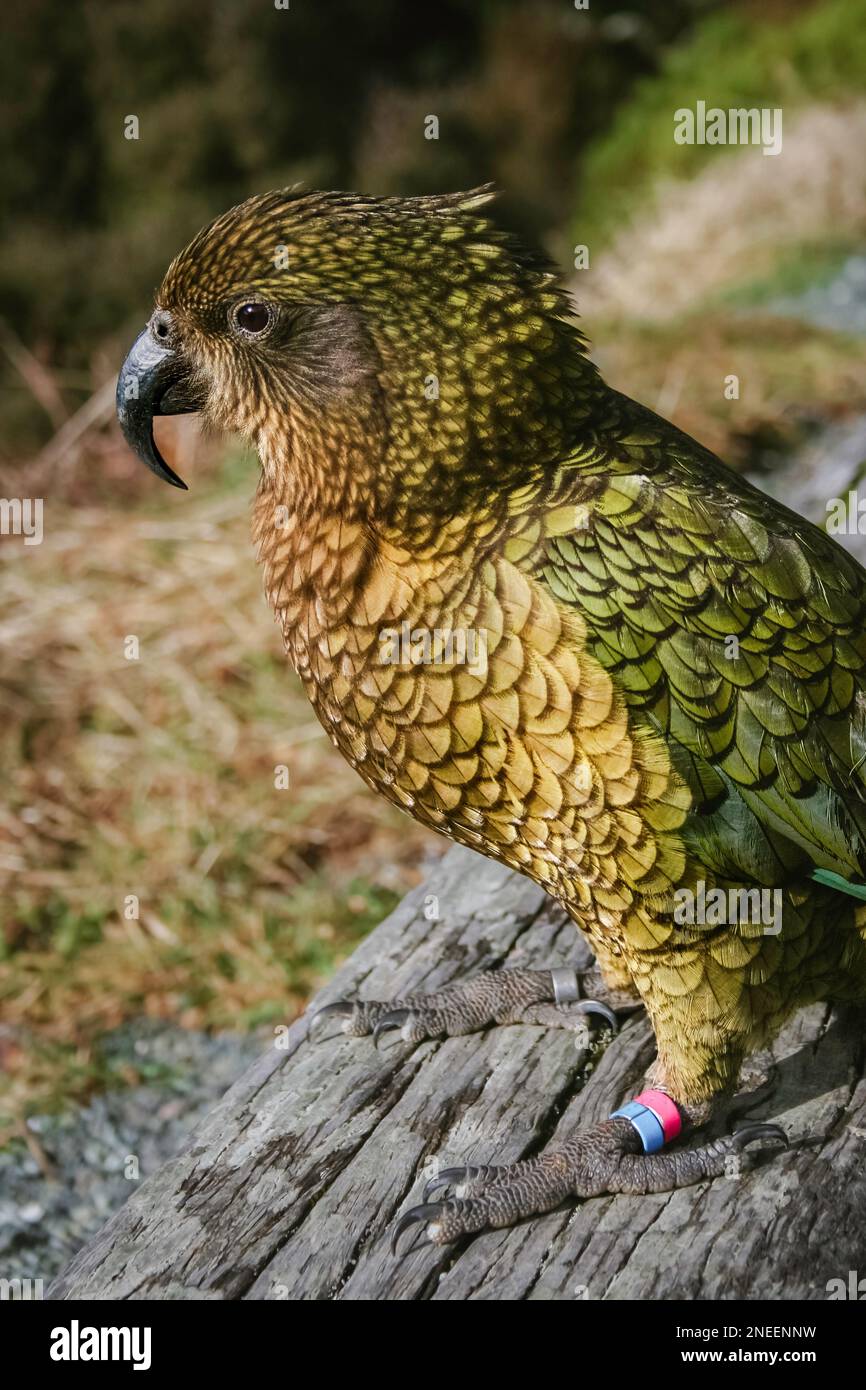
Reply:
x=253 y=317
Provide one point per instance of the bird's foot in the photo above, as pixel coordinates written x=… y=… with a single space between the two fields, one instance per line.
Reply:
x=609 y=1158
x=549 y=997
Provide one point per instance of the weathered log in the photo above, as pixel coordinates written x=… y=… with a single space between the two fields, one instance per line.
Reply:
x=291 y=1187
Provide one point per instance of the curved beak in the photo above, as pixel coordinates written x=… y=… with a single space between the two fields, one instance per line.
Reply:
x=154 y=380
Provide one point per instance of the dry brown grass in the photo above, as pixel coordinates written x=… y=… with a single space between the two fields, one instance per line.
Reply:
x=155 y=778
x=734 y=221
x=674 y=302
x=790 y=376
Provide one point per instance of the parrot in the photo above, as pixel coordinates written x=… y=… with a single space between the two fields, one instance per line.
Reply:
x=550 y=626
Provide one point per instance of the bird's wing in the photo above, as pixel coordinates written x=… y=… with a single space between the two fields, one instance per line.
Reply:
x=739 y=630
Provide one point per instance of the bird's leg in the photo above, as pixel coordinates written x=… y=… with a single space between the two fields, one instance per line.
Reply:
x=608 y=1158
x=549 y=997
x=624 y=1154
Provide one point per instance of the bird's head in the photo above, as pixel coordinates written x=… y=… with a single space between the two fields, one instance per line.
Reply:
x=378 y=352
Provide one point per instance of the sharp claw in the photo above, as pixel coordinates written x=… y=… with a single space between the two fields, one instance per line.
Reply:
x=342 y=1008
x=445 y=1179
x=395 y=1019
x=425 y=1212
x=747 y=1133
x=592 y=1006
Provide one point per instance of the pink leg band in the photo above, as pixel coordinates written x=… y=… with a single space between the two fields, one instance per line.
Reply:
x=664 y=1110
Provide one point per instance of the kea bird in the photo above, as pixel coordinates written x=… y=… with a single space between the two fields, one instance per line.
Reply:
x=650 y=695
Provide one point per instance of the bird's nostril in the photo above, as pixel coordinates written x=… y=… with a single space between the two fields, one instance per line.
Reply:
x=162 y=326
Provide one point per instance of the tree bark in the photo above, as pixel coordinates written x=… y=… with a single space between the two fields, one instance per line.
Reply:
x=291 y=1187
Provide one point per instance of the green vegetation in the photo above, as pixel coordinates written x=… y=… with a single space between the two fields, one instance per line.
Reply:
x=733 y=59
x=234 y=98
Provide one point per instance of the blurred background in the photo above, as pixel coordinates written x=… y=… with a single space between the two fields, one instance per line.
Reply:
x=154 y=778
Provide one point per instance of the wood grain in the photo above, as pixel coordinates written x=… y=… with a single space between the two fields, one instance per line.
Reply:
x=290 y=1188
